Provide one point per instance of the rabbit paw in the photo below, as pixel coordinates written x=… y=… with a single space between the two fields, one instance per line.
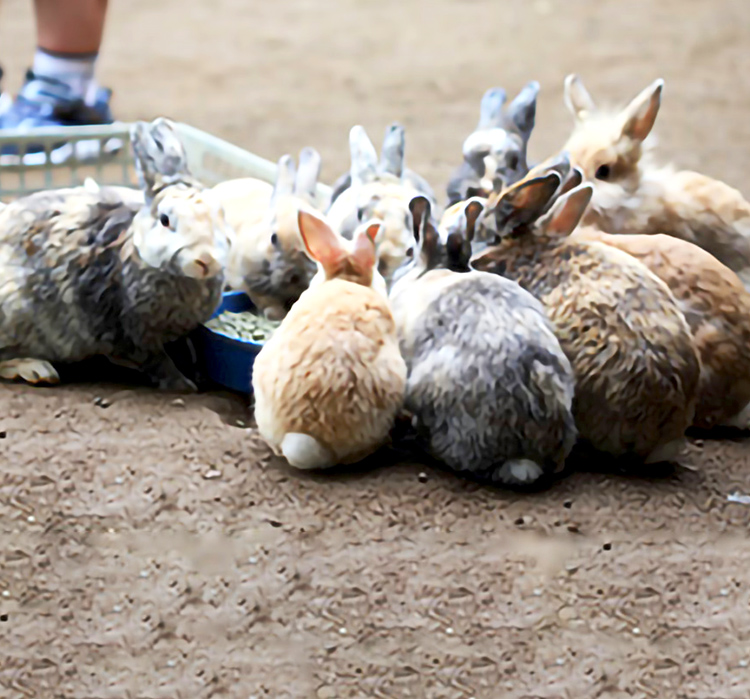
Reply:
x=34 y=371
x=167 y=376
x=666 y=453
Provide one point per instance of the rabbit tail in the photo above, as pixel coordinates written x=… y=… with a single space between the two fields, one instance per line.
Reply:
x=305 y=452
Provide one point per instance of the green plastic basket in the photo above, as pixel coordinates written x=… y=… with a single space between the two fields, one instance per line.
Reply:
x=90 y=153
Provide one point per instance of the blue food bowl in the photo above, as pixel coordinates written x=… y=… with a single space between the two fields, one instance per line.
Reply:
x=227 y=361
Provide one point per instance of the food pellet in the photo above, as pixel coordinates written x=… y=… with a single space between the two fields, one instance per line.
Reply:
x=246 y=326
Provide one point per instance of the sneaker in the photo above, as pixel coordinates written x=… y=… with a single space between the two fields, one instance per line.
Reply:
x=47 y=102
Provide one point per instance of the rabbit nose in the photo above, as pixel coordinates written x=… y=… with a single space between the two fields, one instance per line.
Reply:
x=206 y=265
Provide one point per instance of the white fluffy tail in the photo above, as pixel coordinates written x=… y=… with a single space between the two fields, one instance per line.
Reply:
x=666 y=452
x=305 y=452
x=519 y=472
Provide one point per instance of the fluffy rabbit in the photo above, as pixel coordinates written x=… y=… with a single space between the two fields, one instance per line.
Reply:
x=88 y=274
x=391 y=162
x=488 y=384
x=378 y=191
x=268 y=259
x=330 y=381
x=630 y=347
x=632 y=194
x=717 y=309
x=559 y=163
x=495 y=153
x=127 y=194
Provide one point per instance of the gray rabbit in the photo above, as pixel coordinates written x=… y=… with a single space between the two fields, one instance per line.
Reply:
x=89 y=273
x=488 y=385
x=495 y=152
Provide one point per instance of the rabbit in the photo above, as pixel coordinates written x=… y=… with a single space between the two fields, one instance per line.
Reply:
x=488 y=383
x=330 y=381
x=268 y=259
x=633 y=194
x=636 y=368
x=87 y=273
x=495 y=153
x=716 y=306
x=380 y=191
x=391 y=161
x=128 y=194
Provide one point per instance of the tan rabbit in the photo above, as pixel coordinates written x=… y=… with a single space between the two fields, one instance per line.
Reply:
x=268 y=260
x=630 y=347
x=330 y=381
x=633 y=194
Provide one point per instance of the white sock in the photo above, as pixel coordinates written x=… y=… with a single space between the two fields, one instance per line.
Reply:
x=77 y=72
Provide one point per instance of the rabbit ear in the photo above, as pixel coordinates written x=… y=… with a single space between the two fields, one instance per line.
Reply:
x=322 y=244
x=472 y=211
x=639 y=116
x=308 y=172
x=364 y=254
x=425 y=233
x=363 y=155
x=577 y=99
x=523 y=203
x=568 y=211
x=392 y=155
x=160 y=157
x=491 y=109
x=573 y=180
x=559 y=163
x=420 y=209
x=522 y=110
x=285 y=174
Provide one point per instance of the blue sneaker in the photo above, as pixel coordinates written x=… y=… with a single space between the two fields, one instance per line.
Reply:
x=47 y=102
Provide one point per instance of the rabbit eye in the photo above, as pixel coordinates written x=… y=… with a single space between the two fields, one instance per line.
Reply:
x=274 y=240
x=410 y=253
x=602 y=172
x=164 y=220
x=512 y=161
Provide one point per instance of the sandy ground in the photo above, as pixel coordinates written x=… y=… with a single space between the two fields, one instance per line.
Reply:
x=153 y=549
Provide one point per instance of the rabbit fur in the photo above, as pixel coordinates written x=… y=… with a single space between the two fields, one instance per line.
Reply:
x=633 y=194
x=391 y=162
x=495 y=153
x=92 y=273
x=329 y=382
x=716 y=306
x=379 y=191
x=488 y=384
x=629 y=345
x=268 y=260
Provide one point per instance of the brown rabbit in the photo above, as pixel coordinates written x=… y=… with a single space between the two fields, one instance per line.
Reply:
x=635 y=195
x=715 y=304
x=630 y=347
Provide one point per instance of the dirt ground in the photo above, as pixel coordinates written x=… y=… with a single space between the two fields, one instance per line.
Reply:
x=150 y=548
